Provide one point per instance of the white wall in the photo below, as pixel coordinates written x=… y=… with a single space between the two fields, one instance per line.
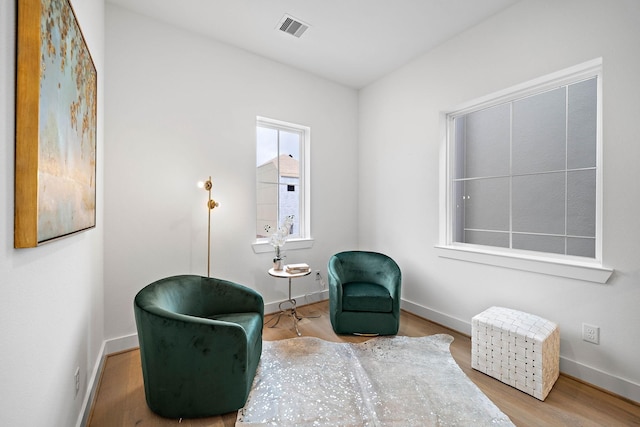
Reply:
x=51 y=308
x=399 y=171
x=181 y=107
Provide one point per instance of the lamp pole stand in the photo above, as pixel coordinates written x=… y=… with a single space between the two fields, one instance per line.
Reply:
x=211 y=204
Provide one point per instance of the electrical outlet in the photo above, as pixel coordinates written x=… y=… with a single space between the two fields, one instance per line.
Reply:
x=591 y=333
x=76 y=378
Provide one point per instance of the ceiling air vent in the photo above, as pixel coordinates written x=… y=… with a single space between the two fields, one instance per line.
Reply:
x=293 y=26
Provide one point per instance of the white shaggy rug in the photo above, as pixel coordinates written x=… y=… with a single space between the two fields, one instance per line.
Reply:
x=386 y=381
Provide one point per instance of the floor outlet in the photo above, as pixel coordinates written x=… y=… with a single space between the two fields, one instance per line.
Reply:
x=591 y=333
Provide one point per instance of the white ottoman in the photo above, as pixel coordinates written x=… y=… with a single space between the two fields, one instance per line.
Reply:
x=519 y=349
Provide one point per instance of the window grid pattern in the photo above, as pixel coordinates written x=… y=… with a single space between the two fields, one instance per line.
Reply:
x=525 y=172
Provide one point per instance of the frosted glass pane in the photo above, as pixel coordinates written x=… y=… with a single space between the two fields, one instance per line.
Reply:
x=539 y=203
x=533 y=242
x=581 y=126
x=487 y=142
x=487 y=238
x=487 y=204
x=581 y=247
x=458 y=209
x=581 y=203
x=539 y=130
x=460 y=150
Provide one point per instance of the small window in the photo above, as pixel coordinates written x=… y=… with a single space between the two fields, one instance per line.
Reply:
x=281 y=177
x=523 y=168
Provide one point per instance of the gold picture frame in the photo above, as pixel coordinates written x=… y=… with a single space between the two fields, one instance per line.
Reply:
x=55 y=161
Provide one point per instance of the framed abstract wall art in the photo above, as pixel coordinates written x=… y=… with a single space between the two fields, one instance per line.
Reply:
x=55 y=164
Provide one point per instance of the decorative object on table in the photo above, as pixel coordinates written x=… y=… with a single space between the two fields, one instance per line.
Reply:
x=278 y=239
x=55 y=158
x=364 y=293
x=211 y=204
x=277 y=261
x=517 y=348
x=297 y=268
x=200 y=344
x=386 y=381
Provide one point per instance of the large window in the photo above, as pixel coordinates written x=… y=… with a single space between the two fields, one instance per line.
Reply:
x=523 y=168
x=281 y=177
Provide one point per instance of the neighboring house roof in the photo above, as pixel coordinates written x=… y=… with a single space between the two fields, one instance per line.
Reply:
x=287 y=165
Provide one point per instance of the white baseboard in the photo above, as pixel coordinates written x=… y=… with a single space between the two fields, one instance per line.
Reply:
x=603 y=380
x=457 y=325
x=585 y=373
x=108 y=347
x=310 y=298
x=92 y=387
x=124 y=343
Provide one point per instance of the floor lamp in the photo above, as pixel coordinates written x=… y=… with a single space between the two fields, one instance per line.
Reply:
x=211 y=204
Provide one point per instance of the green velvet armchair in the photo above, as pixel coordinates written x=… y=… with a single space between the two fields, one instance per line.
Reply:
x=200 y=344
x=364 y=293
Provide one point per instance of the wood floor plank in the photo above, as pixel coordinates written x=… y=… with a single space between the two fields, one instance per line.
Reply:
x=120 y=397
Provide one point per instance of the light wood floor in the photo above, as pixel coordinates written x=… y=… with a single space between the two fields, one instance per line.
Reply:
x=120 y=396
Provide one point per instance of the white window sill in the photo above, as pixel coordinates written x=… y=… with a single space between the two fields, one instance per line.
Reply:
x=591 y=271
x=261 y=247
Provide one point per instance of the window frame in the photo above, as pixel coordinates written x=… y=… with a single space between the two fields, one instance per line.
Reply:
x=582 y=268
x=261 y=245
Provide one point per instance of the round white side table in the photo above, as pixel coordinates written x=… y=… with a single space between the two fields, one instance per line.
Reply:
x=291 y=310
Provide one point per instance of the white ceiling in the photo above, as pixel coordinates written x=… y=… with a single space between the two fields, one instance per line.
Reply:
x=352 y=42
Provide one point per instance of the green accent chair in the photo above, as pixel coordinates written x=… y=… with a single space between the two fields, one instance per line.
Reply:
x=200 y=344
x=364 y=293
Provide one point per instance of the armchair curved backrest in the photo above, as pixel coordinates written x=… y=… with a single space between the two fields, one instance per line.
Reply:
x=200 y=344
x=364 y=293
